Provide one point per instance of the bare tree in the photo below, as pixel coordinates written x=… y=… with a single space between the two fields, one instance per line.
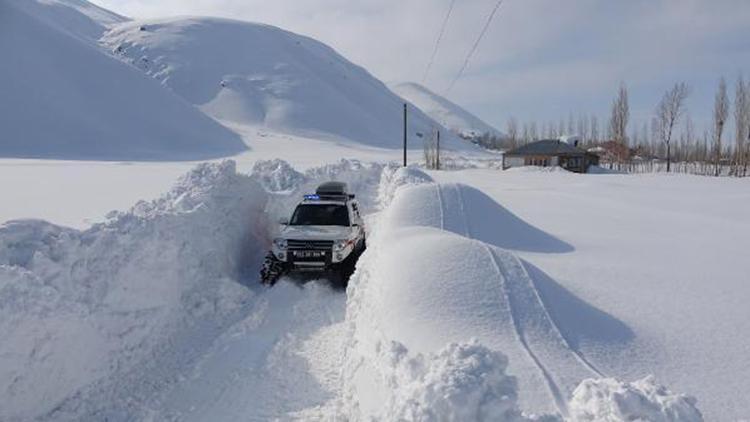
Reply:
x=742 y=126
x=512 y=132
x=431 y=152
x=585 y=130
x=668 y=113
x=594 y=129
x=526 y=136
x=721 y=113
x=618 y=120
x=689 y=135
x=552 y=130
x=533 y=131
x=571 y=125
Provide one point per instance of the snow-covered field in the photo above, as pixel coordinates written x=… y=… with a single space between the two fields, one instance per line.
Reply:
x=505 y=308
x=129 y=290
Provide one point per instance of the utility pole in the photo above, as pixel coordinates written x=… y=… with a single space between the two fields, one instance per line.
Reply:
x=437 y=159
x=405 y=134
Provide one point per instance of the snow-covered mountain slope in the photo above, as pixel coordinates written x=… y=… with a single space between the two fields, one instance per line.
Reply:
x=246 y=73
x=79 y=18
x=63 y=97
x=444 y=111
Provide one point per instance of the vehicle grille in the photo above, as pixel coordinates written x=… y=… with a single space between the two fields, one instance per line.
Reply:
x=310 y=245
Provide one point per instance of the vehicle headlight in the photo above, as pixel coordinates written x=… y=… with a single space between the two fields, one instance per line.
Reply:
x=280 y=243
x=340 y=245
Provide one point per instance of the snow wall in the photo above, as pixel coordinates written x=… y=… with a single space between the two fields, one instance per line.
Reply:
x=100 y=319
x=431 y=325
x=79 y=306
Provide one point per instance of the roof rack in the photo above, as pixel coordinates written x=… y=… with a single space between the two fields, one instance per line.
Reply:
x=337 y=191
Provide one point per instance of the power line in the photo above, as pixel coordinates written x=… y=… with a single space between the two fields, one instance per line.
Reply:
x=475 y=46
x=437 y=42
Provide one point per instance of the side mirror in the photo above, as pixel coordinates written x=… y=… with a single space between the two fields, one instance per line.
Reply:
x=284 y=221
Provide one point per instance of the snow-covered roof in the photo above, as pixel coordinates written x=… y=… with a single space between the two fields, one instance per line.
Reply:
x=546 y=147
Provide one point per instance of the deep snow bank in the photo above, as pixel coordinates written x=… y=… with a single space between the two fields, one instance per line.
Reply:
x=434 y=316
x=394 y=177
x=59 y=100
x=93 y=306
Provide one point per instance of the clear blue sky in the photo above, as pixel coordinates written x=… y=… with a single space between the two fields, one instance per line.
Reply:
x=540 y=60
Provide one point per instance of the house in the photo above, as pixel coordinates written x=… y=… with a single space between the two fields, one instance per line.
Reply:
x=551 y=152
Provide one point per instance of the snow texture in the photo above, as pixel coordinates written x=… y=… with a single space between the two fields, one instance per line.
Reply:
x=405 y=361
x=394 y=177
x=461 y=382
x=79 y=307
x=445 y=112
x=254 y=74
x=62 y=102
x=277 y=175
x=117 y=322
x=609 y=400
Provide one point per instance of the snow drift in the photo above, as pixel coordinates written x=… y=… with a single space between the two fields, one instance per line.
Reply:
x=247 y=73
x=106 y=323
x=445 y=112
x=64 y=98
x=90 y=309
x=444 y=326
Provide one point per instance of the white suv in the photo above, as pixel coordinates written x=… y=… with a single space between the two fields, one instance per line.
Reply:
x=326 y=233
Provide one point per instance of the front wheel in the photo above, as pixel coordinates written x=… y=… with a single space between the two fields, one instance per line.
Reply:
x=272 y=270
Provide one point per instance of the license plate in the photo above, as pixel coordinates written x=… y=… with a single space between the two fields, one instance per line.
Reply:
x=309 y=254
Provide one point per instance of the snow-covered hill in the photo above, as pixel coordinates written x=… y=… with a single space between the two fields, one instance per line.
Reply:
x=63 y=97
x=444 y=111
x=246 y=73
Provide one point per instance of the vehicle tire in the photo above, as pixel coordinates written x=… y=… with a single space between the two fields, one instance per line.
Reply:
x=271 y=270
x=345 y=270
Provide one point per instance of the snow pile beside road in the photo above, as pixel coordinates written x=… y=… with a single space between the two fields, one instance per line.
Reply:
x=460 y=382
x=435 y=317
x=81 y=311
x=277 y=175
x=608 y=400
x=394 y=177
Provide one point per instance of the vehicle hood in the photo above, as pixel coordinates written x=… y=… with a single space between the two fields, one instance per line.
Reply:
x=316 y=232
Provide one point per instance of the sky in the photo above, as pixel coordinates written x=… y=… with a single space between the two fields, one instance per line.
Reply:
x=540 y=60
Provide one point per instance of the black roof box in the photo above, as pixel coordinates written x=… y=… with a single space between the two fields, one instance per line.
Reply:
x=333 y=189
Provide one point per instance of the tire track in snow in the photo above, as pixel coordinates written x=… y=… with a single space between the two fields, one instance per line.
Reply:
x=552 y=386
x=546 y=316
x=540 y=337
x=553 y=389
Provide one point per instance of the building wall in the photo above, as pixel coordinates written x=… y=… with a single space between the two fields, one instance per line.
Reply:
x=514 y=162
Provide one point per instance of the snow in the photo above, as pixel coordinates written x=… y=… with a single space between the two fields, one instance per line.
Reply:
x=528 y=294
x=79 y=307
x=196 y=343
x=253 y=74
x=450 y=115
x=608 y=400
x=653 y=281
x=63 y=104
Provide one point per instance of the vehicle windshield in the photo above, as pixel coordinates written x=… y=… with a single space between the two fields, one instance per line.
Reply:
x=320 y=215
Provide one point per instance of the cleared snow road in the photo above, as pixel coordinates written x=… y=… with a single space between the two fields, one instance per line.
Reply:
x=277 y=363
